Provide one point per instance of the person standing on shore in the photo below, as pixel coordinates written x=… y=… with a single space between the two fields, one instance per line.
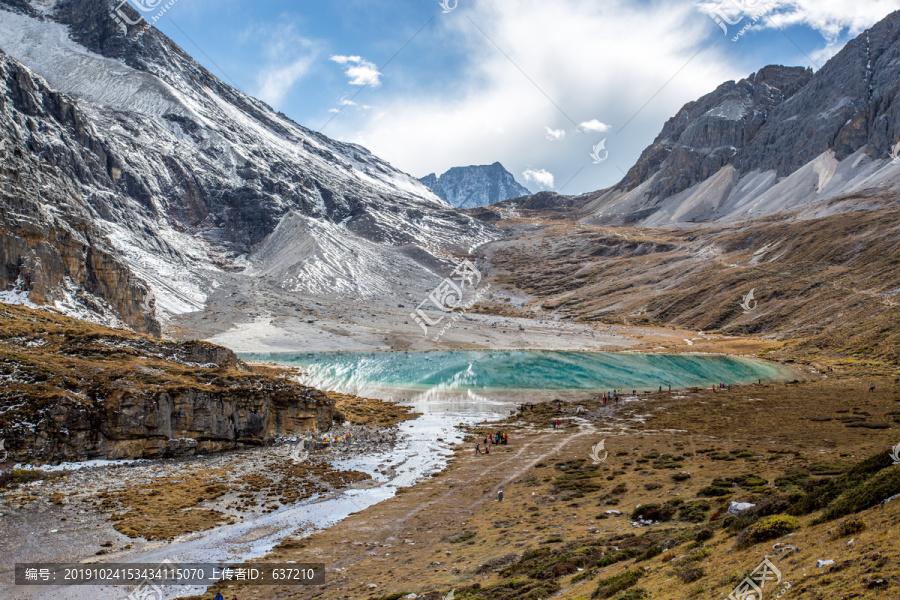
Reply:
x=477 y=448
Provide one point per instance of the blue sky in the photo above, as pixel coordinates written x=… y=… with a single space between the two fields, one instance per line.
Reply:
x=532 y=84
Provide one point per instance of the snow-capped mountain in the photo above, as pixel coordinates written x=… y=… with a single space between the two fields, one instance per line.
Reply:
x=783 y=139
x=191 y=183
x=477 y=185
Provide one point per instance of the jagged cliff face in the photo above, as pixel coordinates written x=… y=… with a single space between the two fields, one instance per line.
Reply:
x=707 y=134
x=49 y=250
x=470 y=187
x=196 y=185
x=784 y=139
x=75 y=391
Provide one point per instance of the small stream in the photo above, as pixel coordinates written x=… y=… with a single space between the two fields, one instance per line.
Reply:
x=417 y=454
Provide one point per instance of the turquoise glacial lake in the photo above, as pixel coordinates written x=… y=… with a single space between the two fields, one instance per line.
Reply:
x=522 y=370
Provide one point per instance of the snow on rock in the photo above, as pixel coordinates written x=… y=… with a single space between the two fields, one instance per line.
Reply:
x=194 y=183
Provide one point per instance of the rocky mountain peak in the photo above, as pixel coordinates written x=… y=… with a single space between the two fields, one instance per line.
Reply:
x=476 y=185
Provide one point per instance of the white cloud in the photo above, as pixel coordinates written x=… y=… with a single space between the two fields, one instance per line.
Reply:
x=275 y=82
x=359 y=70
x=831 y=18
x=594 y=126
x=540 y=177
x=491 y=112
x=650 y=69
x=289 y=57
x=555 y=134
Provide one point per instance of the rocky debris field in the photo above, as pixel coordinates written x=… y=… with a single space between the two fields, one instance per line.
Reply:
x=119 y=508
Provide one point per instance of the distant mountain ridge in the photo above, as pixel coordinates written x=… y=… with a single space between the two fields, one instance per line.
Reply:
x=164 y=185
x=783 y=139
x=476 y=185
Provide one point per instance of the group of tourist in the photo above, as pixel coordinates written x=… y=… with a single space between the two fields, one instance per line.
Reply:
x=610 y=397
x=496 y=439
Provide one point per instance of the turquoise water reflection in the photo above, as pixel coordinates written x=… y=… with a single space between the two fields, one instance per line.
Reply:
x=525 y=370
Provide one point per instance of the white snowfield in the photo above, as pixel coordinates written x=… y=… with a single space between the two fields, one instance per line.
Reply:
x=347 y=218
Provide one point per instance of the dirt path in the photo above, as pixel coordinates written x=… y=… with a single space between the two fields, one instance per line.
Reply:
x=389 y=541
x=477 y=478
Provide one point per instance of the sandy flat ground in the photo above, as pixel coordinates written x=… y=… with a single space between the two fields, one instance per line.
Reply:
x=380 y=331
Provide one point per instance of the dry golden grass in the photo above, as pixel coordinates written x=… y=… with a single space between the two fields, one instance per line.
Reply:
x=368 y=411
x=167 y=508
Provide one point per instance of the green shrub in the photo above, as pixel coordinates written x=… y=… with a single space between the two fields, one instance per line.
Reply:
x=748 y=481
x=694 y=512
x=699 y=555
x=583 y=575
x=869 y=493
x=793 y=478
x=611 y=586
x=690 y=573
x=667 y=464
x=649 y=553
x=851 y=527
x=767 y=529
x=712 y=491
x=681 y=476
x=704 y=534
x=823 y=467
x=635 y=594
x=742 y=454
x=653 y=512
x=850 y=488
x=463 y=536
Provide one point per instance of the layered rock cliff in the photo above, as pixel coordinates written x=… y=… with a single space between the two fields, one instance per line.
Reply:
x=74 y=391
x=784 y=139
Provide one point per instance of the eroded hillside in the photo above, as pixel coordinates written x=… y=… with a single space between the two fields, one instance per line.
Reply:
x=827 y=285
